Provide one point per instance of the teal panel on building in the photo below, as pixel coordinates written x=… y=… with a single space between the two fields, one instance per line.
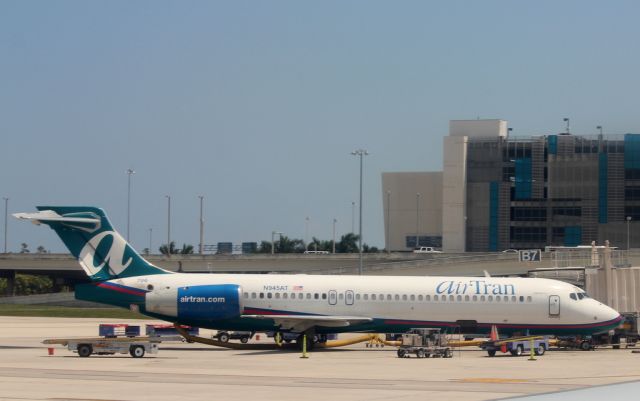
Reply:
x=552 y=144
x=632 y=151
x=493 y=215
x=523 y=179
x=572 y=236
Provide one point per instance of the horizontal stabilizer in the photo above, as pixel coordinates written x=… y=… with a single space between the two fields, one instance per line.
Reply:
x=83 y=221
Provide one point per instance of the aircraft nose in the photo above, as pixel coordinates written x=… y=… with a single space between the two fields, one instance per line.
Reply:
x=610 y=314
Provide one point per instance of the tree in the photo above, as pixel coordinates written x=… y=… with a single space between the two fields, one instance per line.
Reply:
x=348 y=244
x=41 y=249
x=284 y=245
x=24 y=248
x=172 y=250
x=186 y=249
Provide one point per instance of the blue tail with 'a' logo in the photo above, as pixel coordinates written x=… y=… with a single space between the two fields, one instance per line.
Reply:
x=89 y=236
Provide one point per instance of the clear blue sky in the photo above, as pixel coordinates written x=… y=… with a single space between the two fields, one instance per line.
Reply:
x=257 y=104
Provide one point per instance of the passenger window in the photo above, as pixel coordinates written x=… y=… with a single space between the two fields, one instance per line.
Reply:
x=253 y=295
x=528 y=299
x=308 y=295
x=482 y=298
x=435 y=297
x=412 y=297
x=459 y=298
x=269 y=295
x=451 y=298
x=246 y=295
x=404 y=297
x=285 y=295
x=427 y=298
x=316 y=296
x=261 y=295
x=514 y=299
x=521 y=298
x=490 y=298
x=324 y=295
x=420 y=297
x=357 y=297
x=381 y=297
x=366 y=297
x=300 y=295
x=475 y=298
x=388 y=297
x=466 y=298
x=277 y=295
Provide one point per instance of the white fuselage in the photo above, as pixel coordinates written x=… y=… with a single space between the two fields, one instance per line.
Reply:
x=516 y=304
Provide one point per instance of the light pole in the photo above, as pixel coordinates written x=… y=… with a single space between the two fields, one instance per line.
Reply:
x=334 y=235
x=130 y=172
x=201 y=247
x=306 y=231
x=168 y=223
x=150 y=239
x=388 y=221
x=628 y=222
x=273 y=240
x=566 y=120
x=6 y=213
x=361 y=153
x=353 y=217
x=418 y=220
x=599 y=127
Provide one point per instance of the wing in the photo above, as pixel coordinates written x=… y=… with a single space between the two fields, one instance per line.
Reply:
x=300 y=323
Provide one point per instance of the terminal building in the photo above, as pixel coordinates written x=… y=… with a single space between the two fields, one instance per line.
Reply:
x=499 y=192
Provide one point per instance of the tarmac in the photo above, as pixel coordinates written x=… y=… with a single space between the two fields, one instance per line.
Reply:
x=355 y=372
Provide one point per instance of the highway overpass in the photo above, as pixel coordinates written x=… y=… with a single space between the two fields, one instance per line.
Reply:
x=65 y=270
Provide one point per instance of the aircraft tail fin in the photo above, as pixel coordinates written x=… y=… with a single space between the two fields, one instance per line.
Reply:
x=88 y=234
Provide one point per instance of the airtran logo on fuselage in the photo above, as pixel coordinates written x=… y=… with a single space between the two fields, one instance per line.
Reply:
x=198 y=300
x=474 y=287
x=114 y=256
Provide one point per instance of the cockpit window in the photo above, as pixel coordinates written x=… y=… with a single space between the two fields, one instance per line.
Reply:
x=581 y=295
x=573 y=296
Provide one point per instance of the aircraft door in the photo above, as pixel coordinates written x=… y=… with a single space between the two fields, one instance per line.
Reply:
x=348 y=297
x=333 y=297
x=554 y=306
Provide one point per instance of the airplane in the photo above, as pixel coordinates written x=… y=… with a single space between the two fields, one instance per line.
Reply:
x=316 y=305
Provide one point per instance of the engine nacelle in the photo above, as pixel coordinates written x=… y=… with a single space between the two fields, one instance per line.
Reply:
x=204 y=302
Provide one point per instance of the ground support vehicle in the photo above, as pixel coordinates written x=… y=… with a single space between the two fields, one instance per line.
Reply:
x=168 y=332
x=424 y=343
x=136 y=347
x=517 y=346
x=225 y=336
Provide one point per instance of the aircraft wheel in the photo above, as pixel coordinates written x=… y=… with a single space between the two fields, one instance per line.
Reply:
x=585 y=346
x=84 y=350
x=402 y=353
x=518 y=351
x=448 y=353
x=136 y=351
x=540 y=350
x=420 y=353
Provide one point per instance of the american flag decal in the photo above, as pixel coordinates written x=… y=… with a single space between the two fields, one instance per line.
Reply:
x=297 y=288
